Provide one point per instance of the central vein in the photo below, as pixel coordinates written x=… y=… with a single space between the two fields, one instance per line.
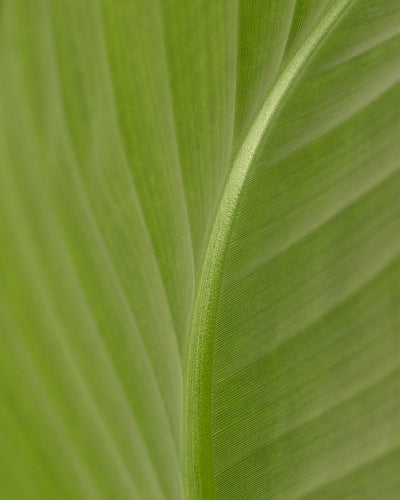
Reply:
x=197 y=405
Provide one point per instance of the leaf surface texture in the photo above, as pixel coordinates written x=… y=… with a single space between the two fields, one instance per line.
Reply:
x=200 y=240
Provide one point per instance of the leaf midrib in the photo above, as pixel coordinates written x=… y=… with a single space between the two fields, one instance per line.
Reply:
x=197 y=405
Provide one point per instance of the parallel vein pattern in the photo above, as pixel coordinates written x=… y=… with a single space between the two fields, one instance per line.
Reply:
x=198 y=377
x=199 y=249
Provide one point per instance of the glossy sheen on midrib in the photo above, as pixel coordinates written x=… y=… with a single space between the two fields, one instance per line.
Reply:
x=197 y=406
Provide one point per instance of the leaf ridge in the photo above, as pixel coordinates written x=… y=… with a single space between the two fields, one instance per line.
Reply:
x=197 y=403
x=44 y=293
x=355 y=394
x=347 y=205
x=126 y=165
x=346 y=301
x=115 y=279
x=362 y=465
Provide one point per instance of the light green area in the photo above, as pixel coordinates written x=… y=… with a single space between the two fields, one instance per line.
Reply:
x=199 y=249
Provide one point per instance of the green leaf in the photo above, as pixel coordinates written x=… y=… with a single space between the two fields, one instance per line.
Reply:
x=199 y=249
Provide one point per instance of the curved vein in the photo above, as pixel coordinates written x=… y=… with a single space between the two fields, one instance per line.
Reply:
x=126 y=166
x=197 y=406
